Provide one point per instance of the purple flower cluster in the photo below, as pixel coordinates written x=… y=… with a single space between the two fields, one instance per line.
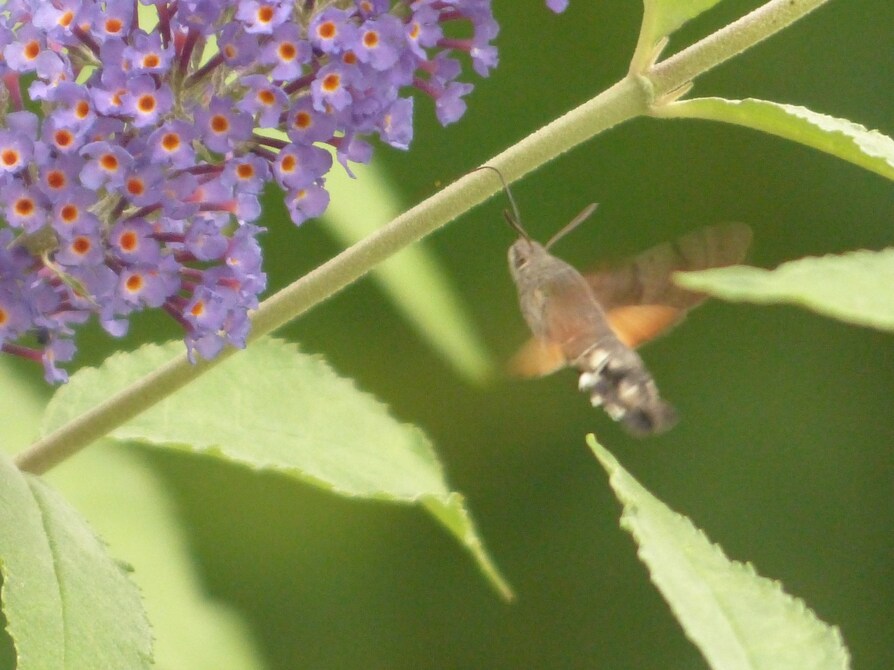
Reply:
x=132 y=159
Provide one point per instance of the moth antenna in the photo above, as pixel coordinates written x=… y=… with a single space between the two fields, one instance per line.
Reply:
x=513 y=218
x=571 y=225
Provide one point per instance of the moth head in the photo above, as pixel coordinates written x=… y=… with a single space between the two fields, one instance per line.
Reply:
x=524 y=253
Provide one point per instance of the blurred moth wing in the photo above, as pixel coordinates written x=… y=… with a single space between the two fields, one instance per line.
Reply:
x=639 y=298
x=646 y=279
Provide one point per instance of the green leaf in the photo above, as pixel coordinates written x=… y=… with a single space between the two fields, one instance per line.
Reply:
x=850 y=141
x=660 y=19
x=66 y=602
x=271 y=407
x=147 y=15
x=413 y=279
x=738 y=619
x=855 y=287
x=111 y=487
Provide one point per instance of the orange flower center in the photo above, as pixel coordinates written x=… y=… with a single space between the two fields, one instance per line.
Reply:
x=31 y=50
x=109 y=162
x=10 y=157
x=56 y=179
x=69 y=213
x=81 y=245
x=288 y=163
x=219 y=123
x=287 y=51
x=170 y=141
x=24 y=206
x=128 y=241
x=134 y=283
x=331 y=82
x=135 y=186
x=303 y=120
x=146 y=103
x=63 y=138
x=326 y=30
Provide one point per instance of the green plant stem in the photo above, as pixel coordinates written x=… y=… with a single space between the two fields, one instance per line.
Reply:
x=630 y=97
x=742 y=34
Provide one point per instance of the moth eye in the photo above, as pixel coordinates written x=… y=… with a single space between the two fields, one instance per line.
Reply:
x=519 y=259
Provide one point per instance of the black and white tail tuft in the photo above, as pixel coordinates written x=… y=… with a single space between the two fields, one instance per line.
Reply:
x=616 y=378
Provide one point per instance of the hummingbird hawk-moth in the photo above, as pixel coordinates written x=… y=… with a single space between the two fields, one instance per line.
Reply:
x=594 y=321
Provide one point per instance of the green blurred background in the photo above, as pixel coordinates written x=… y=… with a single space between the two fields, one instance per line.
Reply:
x=784 y=451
